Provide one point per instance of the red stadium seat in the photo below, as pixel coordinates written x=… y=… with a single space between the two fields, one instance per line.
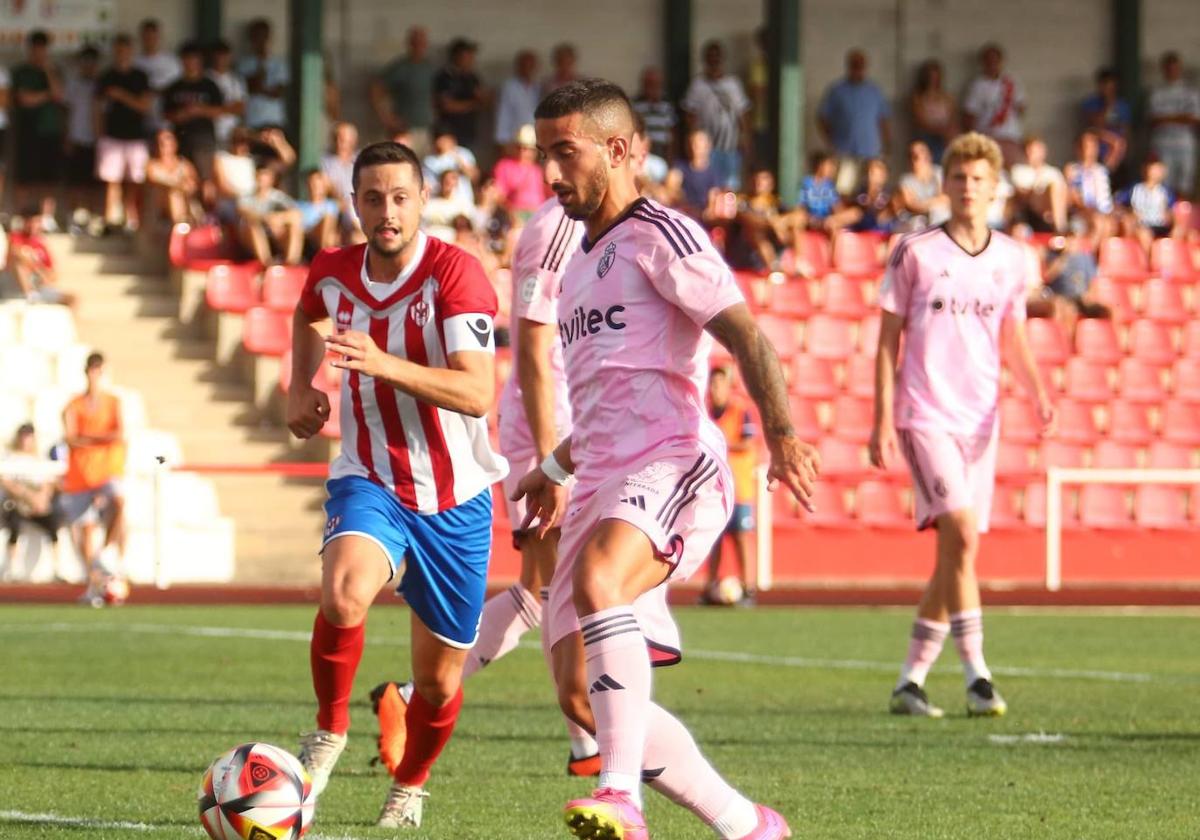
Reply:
x=1005 y=514
x=1181 y=423
x=1096 y=339
x=1140 y=382
x=1076 y=423
x=1151 y=342
x=231 y=287
x=281 y=286
x=781 y=332
x=1033 y=504
x=860 y=376
x=817 y=254
x=199 y=248
x=857 y=255
x=1122 y=258
x=1129 y=423
x=843 y=298
x=804 y=417
x=790 y=299
x=1012 y=462
x=1019 y=421
x=842 y=459
x=1115 y=296
x=853 y=418
x=1056 y=453
x=1163 y=302
x=812 y=378
x=1104 y=506
x=1087 y=381
x=266 y=332
x=829 y=338
x=1171 y=259
x=1160 y=506
x=1191 y=339
x=1164 y=455
x=1047 y=341
x=868 y=335
x=829 y=499
x=1111 y=454
x=878 y=505
x=1185 y=380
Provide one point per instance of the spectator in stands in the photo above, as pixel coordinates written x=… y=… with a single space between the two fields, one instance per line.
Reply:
x=933 y=111
x=30 y=263
x=716 y=103
x=402 y=93
x=1174 y=111
x=458 y=94
x=920 y=201
x=818 y=196
x=447 y=154
x=1147 y=206
x=693 y=184
x=124 y=98
x=1069 y=272
x=267 y=78
x=518 y=176
x=995 y=104
x=1110 y=117
x=29 y=493
x=233 y=172
x=233 y=91
x=872 y=209
x=270 y=225
x=855 y=119
x=651 y=170
x=493 y=224
x=338 y=163
x=5 y=106
x=447 y=204
x=732 y=415
x=657 y=113
x=563 y=60
x=38 y=119
x=764 y=229
x=320 y=213
x=1039 y=190
x=192 y=104
x=160 y=66
x=1089 y=193
x=175 y=185
x=91 y=490
x=519 y=97
x=79 y=92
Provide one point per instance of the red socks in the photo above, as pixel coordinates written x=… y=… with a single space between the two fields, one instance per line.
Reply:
x=429 y=729
x=334 y=654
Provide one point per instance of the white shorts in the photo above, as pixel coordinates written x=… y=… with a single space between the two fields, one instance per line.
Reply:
x=950 y=472
x=121 y=160
x=682 y=504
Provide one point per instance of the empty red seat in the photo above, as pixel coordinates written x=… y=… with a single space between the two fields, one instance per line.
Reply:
x=1087 y=381
x=266 y=332
x=1160 y=506
x=1185 y=380
x=1112 y=454
x=1005 y=514
x=841 y=459
x=812 y=378
x=231 y=287
x=1104 y=506
x=1057 y=453
x=281 y=286
x=781 y=332
x=1122 y=258
x=1129 y=422
x=857 y=255
x=1047 y=341
x=1181 y=423
x=815 y=255
x=1033 y=504
x=790 y=299
x=868 y=334
x=878 y=505
x=842 y=297
x=860 y=376
x=829 y=501
x=803 y=413
x=829 y=338
x=1163 y=302
x=1140 y=382
x=1150 y=341
x=1165 y=455
x=1012 y=462
x=853 y=418
x=1096 y=339
x=1191 y=339
x=1115 y=296
x=1019 y=421
x=1171 y=259
x=1076 y=424
x=198 y=248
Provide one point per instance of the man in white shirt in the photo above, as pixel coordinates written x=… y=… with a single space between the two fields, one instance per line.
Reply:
x=1040 y=191
x=160 y=67
x=519 y=96
x=995 y=103
x=717 y=103
x=1174 y=117
x=267 y=77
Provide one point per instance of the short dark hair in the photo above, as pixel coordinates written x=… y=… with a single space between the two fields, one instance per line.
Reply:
x=148 y=23
x=190 y=47
x=94 y=360
x=583 y=96
x=1105 y=74
x=38 y=38
x=386 y=151
x=220 y=46
x=122 y=40
x=89 y=52
x=257 y=25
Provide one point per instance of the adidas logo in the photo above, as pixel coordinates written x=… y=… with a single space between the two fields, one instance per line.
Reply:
x=484 y=662
x=605 y=683
x=636 y=501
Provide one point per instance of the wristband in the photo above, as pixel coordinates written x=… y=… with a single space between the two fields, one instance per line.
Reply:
x=554 y=470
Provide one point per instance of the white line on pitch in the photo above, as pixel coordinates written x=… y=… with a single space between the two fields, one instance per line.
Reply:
x=87 y=822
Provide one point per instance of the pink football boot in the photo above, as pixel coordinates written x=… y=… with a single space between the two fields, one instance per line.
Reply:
x=771 y=826
x=607 y=814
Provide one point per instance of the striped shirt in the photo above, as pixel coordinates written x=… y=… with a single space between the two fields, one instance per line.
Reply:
x=432 y=458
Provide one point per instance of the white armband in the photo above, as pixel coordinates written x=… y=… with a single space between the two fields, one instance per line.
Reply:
x=554 y=470
x=469 y=331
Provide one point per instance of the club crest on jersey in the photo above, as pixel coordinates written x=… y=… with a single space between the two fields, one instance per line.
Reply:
x=343 y=320
x=529 y=288
x=607 y=259
x=420 y=312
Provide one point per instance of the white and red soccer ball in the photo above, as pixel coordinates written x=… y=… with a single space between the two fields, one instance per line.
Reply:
x=256 y=792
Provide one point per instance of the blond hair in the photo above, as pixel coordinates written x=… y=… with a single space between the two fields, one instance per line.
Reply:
x=972 y=146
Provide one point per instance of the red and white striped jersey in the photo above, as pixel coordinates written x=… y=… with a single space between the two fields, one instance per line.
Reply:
x=442 y=303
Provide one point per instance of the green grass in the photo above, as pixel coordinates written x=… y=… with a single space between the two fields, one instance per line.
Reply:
x=112 y=716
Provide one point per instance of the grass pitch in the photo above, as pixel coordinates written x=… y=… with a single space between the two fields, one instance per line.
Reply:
x=109 y=717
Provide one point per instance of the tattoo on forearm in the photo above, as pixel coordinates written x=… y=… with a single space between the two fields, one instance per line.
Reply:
x=761 y=371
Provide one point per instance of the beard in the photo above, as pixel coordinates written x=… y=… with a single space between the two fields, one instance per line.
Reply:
x=587 y=197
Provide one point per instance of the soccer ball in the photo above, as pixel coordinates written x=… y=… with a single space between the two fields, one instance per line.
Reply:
x=256 y=792
x=729 y=590
x=115 y=591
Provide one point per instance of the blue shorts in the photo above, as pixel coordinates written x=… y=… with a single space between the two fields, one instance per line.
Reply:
x=742 y=520
x=441 y=558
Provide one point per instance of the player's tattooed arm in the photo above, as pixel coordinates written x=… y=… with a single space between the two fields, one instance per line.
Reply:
x=793 y=462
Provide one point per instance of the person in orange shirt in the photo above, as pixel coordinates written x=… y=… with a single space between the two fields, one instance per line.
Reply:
x=92 y=492
x=732 y=414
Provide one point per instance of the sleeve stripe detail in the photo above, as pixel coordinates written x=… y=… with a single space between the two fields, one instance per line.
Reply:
x=676 y=225
x=564 y=244
x=563 y=223
x=664 y=229
x=901 y=249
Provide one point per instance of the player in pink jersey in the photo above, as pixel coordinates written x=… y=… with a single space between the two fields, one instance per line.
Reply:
x=410 y=493
x=534 y=416
x=638 y=302
x=957 y=294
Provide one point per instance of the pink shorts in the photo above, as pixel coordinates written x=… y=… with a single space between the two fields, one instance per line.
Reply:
x=681 y=503
x=950 y=472
x=121 y=160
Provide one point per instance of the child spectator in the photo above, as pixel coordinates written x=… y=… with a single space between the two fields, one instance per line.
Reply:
x=818 y=195
x=1148 y=206
x=765 y=229
x=1089 y=191
x=872 y=209
x=1039 y=190
x=175 y=184
x=319 y=214
x=269 y=221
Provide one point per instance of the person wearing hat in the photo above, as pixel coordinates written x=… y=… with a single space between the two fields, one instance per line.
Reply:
x=519 y=177
x=458 y=95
